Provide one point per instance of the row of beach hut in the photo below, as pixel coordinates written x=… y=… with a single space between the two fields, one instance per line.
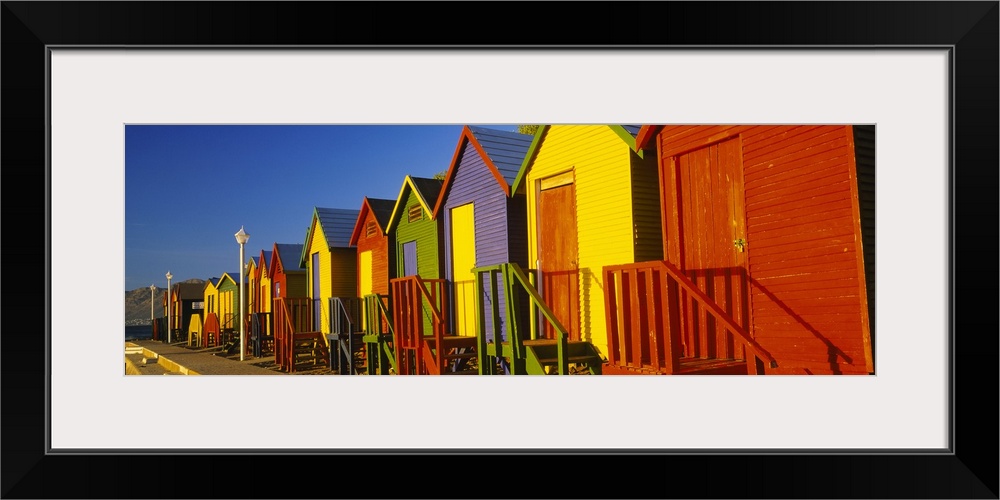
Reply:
x=590 y=249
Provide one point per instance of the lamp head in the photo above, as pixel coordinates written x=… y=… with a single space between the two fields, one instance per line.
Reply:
x=242 y=237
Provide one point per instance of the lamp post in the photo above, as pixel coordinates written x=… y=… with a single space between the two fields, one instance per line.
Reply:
x=242 y=237
x=152 y=307
x=169 y=277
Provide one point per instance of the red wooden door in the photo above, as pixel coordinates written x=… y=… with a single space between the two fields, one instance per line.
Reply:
x=712 y=243
x=558 y=256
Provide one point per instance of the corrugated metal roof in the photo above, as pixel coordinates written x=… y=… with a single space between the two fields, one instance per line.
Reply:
x=337 y=225
x=289 y=254
x=429 y=189
x=382 y=209
x=505 y=149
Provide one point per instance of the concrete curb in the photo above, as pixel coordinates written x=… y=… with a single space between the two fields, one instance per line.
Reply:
x=168 y=364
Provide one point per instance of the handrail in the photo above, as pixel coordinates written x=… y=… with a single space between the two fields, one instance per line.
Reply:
x=282 y=333
x=385 y=312
x=707 y=303
x=437 y=322
x=717 y=311
x=511 y=271
x=338 y=304
x=376 y=319
x=423 y=290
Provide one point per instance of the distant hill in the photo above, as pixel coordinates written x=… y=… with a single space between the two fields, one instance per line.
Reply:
x=137 y=304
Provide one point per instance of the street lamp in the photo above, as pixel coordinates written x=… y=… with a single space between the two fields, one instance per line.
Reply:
x=241 y=237
x=152 y=307
x=169 y=277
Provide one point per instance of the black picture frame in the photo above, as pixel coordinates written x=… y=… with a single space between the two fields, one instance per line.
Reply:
x=970 y=29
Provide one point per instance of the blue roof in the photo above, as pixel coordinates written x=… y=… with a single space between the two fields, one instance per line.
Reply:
x=289 y=254
x=337 y=225
x=266 y=259
x=632 y=129
x=505 y=149
x=382 y=209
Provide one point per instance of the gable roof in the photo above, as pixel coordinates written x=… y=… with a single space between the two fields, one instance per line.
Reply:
x=265 y=259
x=250 y=265
x=211 y=282
x=503 y=152
x=228 y=277
x=337 y=225
x=425 y=189
x=380 y=208
x=627 y=133
x=645 y=133
x=287 y=249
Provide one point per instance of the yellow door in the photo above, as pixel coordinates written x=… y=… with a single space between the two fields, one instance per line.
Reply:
x=364 y=279
x=463 y=244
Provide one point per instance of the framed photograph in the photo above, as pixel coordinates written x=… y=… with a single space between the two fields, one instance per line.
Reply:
x=922 y=75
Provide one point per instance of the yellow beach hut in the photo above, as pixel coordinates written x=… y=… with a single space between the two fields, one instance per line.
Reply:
x=592 y=200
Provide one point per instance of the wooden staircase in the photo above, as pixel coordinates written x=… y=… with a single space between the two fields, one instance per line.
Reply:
x=421 y=343
x=379 y=335
x=308 y=352
x=460 y=355
x=543 y=357
x=523 y=352
x=661 y=322
x=346 y=340
x=298 y=345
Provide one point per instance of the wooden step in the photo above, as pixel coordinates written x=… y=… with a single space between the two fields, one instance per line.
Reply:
x=466 y=355
x=570 y=359
x=452 y=341
x=704 y=366
x=462 y=372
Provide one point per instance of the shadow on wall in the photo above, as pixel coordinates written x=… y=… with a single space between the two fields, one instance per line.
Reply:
x=589 y=279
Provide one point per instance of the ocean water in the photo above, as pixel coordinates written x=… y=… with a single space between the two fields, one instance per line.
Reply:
x=138 y=332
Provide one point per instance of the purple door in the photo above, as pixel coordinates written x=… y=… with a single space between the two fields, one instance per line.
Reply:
x=410 y=258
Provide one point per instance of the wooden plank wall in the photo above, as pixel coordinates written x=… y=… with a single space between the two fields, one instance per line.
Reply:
x=600 y=160
x=378 y=244
x=475 y=183
x=805 y=300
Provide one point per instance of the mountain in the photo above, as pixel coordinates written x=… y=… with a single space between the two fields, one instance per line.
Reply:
x=137 y=304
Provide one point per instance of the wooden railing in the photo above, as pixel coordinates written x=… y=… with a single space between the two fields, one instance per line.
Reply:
x=379 y=336
x=653 y=310
x=261 y=333
x=345 y=313
x=410 y=298
x=291 y=316
x=515 y=282
x=229 y=327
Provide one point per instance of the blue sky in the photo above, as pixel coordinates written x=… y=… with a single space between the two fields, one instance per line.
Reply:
x=189 y=188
